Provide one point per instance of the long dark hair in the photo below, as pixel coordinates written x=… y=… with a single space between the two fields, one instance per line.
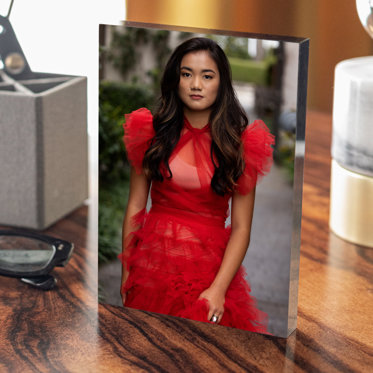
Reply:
x=227 y=120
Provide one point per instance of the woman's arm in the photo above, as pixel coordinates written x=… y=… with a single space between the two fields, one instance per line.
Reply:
x=138 y=196
x=241 y=219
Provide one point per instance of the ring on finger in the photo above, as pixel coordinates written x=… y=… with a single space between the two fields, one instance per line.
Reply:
x=214 y=318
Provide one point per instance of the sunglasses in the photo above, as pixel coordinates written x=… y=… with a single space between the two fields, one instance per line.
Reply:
x=32 y=256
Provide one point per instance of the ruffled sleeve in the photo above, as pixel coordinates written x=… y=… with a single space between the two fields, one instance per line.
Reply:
x=138 y=133
x=257 y=141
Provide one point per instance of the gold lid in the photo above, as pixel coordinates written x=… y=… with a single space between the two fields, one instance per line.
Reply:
x=266 y=16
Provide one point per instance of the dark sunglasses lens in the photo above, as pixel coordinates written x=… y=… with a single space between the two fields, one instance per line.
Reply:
x=24 y=254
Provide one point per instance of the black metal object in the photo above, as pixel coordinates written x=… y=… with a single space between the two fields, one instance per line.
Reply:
x=14 y=60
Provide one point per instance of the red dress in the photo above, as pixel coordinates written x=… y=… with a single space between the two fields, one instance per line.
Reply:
x=178 y=250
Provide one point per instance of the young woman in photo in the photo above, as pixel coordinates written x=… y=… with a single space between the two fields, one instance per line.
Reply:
x=197 y=152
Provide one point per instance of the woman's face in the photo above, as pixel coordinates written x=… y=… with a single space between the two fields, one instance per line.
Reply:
x=199 y=81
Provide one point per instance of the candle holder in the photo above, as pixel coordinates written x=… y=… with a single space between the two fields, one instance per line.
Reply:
x=351 y=191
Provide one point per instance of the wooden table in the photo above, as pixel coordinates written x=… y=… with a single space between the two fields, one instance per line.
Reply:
x=53 y=331
x=56 y=331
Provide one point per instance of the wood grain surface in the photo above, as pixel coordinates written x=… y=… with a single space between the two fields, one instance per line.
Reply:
x=58 y=331
x=53 y=331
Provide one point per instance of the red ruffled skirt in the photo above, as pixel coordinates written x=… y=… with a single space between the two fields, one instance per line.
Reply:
x=172 y=259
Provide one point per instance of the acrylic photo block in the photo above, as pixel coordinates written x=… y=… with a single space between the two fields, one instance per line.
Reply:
x=272 y=259
x=43 y=149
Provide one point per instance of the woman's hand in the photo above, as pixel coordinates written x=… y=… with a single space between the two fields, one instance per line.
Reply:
x=242 y=212
x=138 y=196
x=216 y=299
x=123 y=294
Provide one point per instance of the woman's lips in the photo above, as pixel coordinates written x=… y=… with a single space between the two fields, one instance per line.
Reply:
x=196 y=97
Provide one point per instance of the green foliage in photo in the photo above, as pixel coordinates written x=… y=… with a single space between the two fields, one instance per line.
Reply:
x=116 y=99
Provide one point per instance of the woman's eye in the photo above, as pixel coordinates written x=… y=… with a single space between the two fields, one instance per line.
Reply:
x=186 y=75
x=207 y=77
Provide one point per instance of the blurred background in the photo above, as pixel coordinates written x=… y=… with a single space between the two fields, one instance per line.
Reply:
x=63 y=37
